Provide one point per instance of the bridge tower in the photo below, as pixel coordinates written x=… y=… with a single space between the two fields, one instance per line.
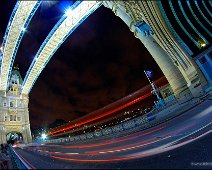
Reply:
x=144 y=19
x=14 y=113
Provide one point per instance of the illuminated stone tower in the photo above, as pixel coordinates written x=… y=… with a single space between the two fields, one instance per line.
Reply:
x=14 y=114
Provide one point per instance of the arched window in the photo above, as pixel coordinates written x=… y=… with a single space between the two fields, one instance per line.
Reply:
x=11 y=104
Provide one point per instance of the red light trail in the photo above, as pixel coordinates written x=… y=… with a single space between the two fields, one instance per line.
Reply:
x=103 y=115
x=161 y=81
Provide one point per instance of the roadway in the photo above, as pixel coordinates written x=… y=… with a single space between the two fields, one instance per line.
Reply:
x=183 y=142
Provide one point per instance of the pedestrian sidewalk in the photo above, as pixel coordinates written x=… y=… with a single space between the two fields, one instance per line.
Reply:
x=5 y=161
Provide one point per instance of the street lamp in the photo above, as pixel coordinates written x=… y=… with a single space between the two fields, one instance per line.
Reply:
x=203 y=44
x=43 y=136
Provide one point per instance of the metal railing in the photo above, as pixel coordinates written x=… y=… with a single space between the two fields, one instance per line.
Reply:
x=139 y=123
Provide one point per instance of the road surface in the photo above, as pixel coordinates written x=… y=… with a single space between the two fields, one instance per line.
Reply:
x=183 y=142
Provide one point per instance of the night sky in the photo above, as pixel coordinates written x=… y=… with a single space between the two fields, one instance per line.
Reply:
x=99 y=63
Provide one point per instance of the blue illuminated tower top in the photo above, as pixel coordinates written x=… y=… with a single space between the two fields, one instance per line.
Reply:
x=15 y=82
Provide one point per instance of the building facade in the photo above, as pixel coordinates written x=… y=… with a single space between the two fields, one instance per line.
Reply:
x=14 y=113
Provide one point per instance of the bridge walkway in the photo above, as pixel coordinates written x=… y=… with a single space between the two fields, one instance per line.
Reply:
x=5 y=161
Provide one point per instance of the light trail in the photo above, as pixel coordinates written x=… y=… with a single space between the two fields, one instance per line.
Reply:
x=167 y=137
x=139 y=144
x=95 y=145
x=89 y=160
x=128 y=147
x=124 y=148
x=113 y=142
x=102 y=115
x=193 y=132
x=168 y=147
x=112 y=150
x=143 y=154
x=160 y=81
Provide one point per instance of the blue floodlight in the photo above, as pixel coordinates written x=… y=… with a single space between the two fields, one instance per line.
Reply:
x=69 y=12
x=23 y=29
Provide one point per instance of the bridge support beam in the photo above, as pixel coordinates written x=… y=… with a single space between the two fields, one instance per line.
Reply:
x=26 y=132
x=169 y=69
x=2 y=134
x=166 y=64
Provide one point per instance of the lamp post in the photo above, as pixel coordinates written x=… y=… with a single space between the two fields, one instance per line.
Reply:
x=155 y=90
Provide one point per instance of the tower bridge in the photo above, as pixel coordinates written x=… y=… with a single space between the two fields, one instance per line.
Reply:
x=19 y=20
x=181 y=50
